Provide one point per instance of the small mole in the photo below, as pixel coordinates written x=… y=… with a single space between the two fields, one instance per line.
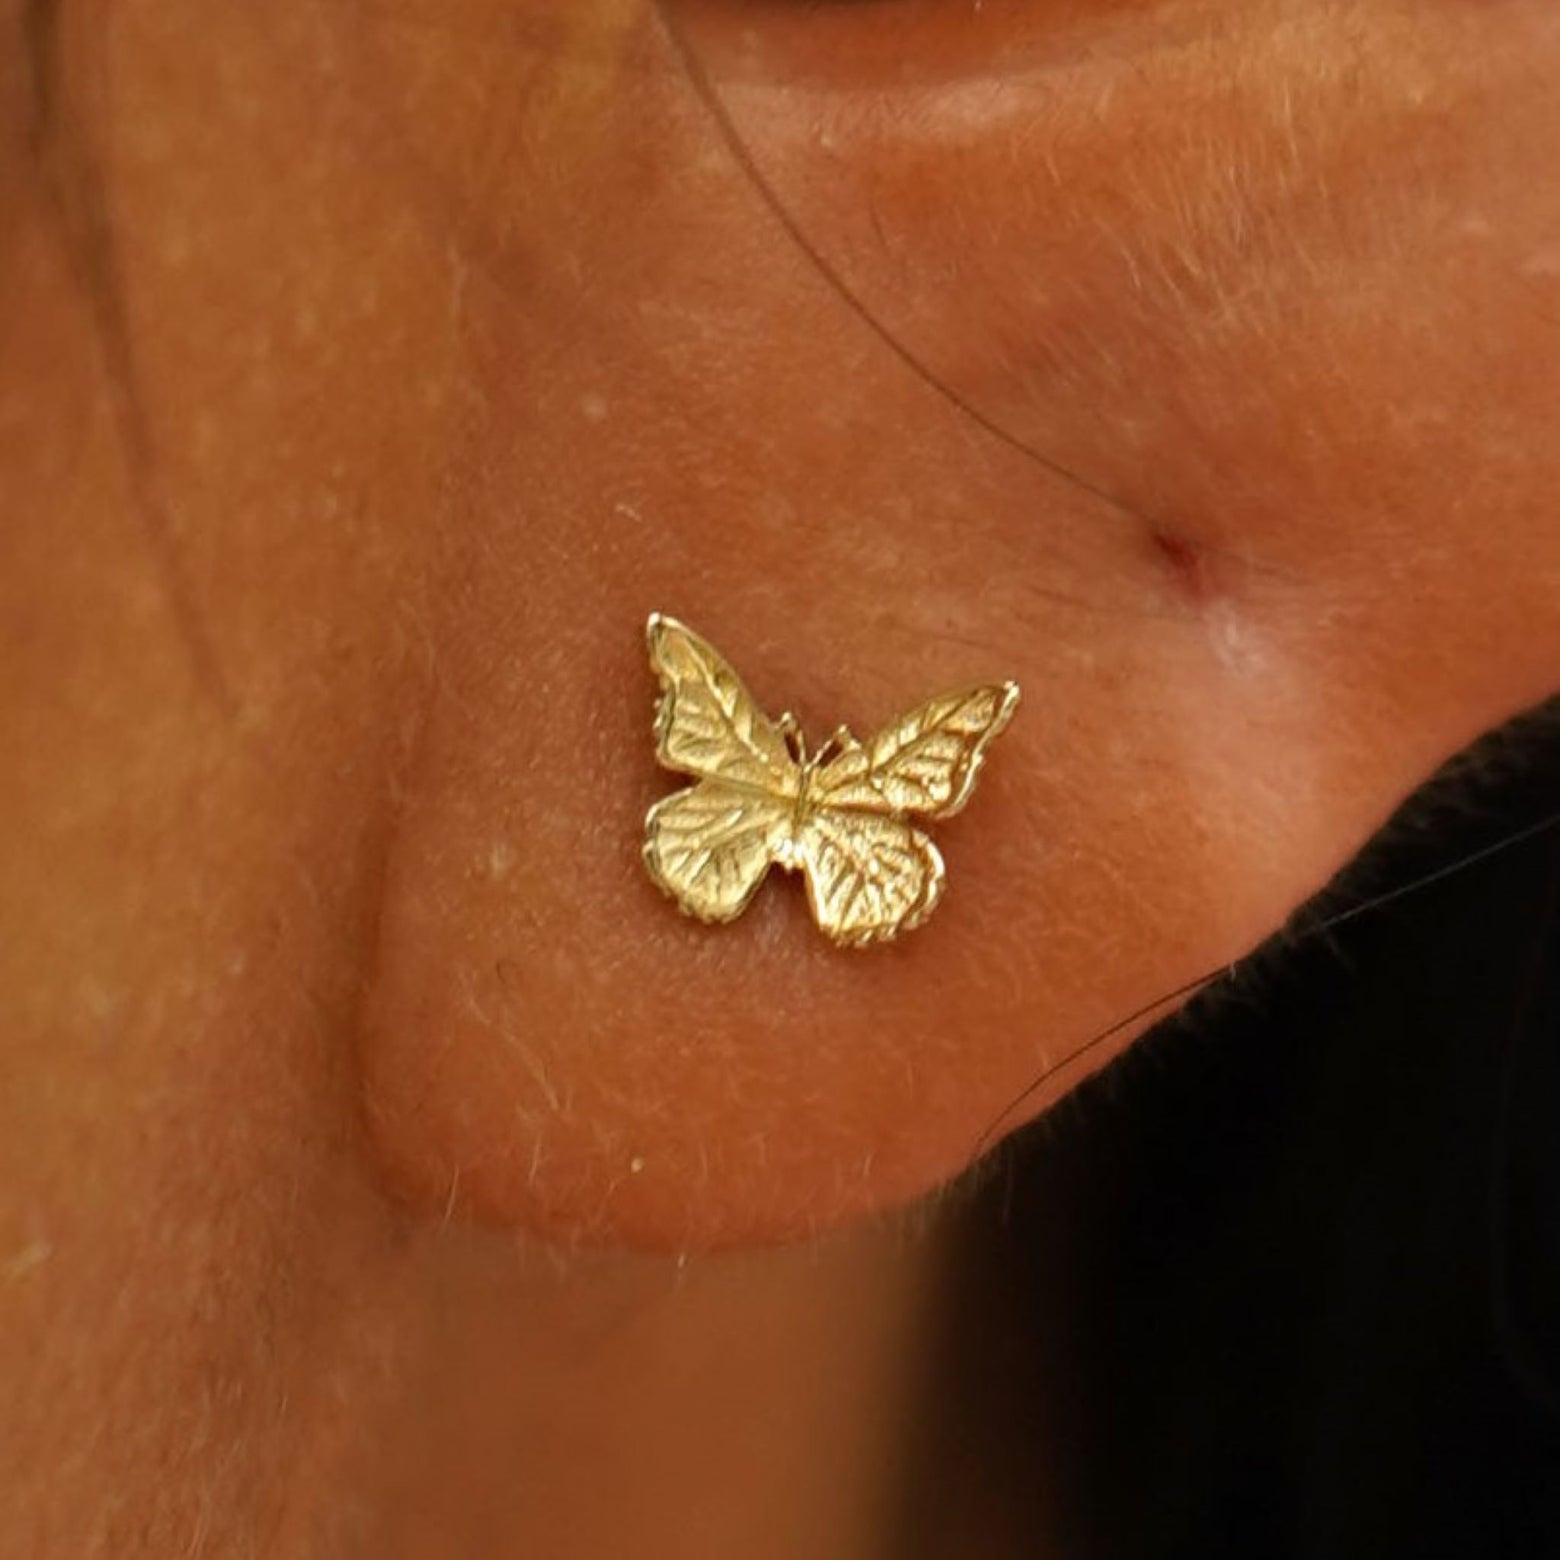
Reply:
x=1186 y=561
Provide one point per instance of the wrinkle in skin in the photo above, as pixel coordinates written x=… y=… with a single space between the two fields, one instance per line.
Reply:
x=72 y=174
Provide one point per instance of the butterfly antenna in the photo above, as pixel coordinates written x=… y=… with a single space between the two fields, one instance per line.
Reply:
x=790 y=728
x=839 y=739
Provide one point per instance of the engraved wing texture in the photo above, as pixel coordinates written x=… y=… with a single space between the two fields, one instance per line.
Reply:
x=710 y=846
x=707 y=723
x=840 y=818
x=869 y=877
x=925 y=762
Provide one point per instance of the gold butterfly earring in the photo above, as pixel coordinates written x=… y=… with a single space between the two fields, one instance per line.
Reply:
x=840 y=815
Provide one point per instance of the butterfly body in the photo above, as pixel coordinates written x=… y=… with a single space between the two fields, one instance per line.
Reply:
x=841 y=816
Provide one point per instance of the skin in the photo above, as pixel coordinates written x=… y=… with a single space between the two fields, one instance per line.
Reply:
x=371 y=372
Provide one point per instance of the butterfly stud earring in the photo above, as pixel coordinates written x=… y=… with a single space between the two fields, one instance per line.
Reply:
x=840 y=816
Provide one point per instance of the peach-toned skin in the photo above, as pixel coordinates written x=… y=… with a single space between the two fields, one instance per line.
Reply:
x=369 y=373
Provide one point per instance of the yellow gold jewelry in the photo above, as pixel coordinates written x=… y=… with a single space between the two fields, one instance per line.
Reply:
x=839 y=816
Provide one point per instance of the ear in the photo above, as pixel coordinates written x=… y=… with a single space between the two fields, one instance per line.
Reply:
x=1253 y=625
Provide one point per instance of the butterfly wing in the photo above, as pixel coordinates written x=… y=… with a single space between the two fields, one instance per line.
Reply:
x=707 y=724
x=870 y=873
x=925 y=762
x=710 y=846
x=869 y=876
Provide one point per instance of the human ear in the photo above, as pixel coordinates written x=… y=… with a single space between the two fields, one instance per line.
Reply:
x=1253 y=624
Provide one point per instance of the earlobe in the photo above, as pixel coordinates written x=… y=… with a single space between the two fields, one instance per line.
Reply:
x=552 y=1046
x=546 y=1043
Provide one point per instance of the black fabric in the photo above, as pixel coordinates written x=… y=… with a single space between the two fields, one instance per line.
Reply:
x=1285 y=1281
